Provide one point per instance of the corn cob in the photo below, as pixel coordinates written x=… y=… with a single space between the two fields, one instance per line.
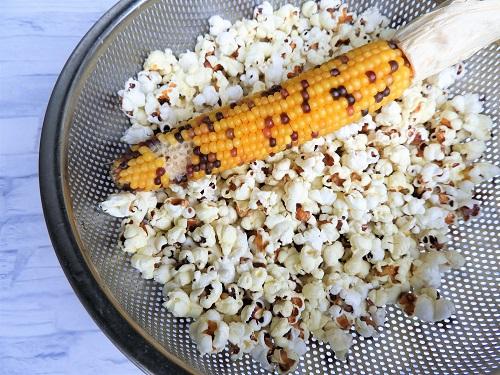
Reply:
x=312 y=104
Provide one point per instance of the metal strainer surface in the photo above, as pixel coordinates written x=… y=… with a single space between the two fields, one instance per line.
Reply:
x=81 y=136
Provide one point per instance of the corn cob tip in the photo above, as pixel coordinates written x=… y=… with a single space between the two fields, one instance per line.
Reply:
x=151 y=165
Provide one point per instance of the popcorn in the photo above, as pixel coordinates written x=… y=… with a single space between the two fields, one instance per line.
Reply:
x=471 y=150
x=118 y=205
x=357 y=266
x=218 y=25
x=160 y=61
x=431 y=309
x=332 y=254
x=210 y=332
x=447 y=77
x=231 y=94
x=433 y=152
x=340 y=341
x=208 y=96
x=310 y=259
x=145 y=264
x=468 y=103
x=296 y=192
x=179 y=304
x=204 y=235
x=318 y=238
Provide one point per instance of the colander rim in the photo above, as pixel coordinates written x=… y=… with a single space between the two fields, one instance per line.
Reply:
x=56 y=204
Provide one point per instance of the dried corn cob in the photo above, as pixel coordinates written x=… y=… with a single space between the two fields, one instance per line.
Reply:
x=315 y=103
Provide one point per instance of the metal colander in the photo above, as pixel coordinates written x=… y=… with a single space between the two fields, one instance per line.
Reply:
x=81 y=136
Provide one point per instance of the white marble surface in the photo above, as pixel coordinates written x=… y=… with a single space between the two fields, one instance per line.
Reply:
x=43 y=327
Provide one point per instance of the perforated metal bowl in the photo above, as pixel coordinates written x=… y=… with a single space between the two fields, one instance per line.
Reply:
x=80 y=138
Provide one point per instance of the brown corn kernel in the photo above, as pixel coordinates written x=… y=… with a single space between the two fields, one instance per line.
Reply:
x=334 y=72
x=212 y=157
x=394 y=65
x=230 y=133
x=371 y=76
x=268 y=122
x=284 y=118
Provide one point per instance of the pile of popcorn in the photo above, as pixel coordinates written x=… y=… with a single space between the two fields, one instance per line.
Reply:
x=316 y=240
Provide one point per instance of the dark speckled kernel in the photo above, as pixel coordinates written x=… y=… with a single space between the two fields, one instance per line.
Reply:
x=230 y=133
x=304 y=94
x=197 y=151
x=392 y=44
x=335 y=94
x=334 y=72
x=386 y=91
x=272 y=142
x=160 y=171
x=212 y=157
x=372 y=77
x=344 y=59
x=284 y=118
x=394 y=65
x=178 y=137
x=196 y=168
x=350 y=99
x=314 y=134
x=306 y=108
x=364 y=112
x=219 y=116
x=217 y=164
x=234 y=152
x=379 y=97
x=232 y=105
x=304 y=84
x=157 y=181
x=203 y=158
x=268 y=122
x=294 y=136
x=342 y=91
x=284 y=93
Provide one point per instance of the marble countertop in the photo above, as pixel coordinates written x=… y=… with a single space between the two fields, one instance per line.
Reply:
x=43 y=327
